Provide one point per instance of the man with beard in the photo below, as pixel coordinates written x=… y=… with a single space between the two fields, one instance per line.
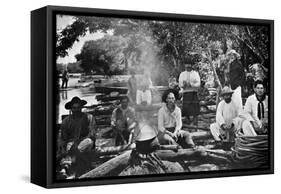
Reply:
x=227 y=121
x=170 y=122
x=77 y=135
x=257 y=107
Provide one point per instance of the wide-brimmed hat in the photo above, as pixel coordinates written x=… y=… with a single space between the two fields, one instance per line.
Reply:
x=233 y=52
x=226 y=90
x=75 y=100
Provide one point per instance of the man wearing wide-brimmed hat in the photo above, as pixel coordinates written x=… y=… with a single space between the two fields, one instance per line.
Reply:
x=77 y=133
x=227 y=121
x=78 y=129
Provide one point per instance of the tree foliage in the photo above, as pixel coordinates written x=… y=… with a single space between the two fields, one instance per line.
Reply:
x=163 y=47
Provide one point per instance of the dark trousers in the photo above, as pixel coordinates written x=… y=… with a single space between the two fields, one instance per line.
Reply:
x=122 y=137
x=64 y=83
x=190 y=104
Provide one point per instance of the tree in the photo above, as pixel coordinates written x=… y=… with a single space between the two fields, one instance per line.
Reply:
x=103 y=55
x=164 y=46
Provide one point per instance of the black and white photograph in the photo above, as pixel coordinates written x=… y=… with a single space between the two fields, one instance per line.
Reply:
x=139 y=97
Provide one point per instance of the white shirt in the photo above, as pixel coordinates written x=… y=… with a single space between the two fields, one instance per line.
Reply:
x=167 y=119
x=251 y=107
x=226 y=113
x=191 y=77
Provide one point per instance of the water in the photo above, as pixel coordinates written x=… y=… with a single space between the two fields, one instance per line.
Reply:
x=86 y=93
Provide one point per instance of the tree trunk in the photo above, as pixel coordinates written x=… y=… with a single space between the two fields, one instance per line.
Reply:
x=216 y=78
x=120 y=162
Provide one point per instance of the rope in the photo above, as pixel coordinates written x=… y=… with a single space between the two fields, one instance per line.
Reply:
x=251 y=150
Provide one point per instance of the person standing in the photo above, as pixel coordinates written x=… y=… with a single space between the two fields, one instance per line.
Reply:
x=236 y=76
x=189 y=82
x=144 y=95
x=132 y=87
x=65 y=78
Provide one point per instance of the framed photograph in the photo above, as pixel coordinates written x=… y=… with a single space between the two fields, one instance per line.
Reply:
x=126 y=96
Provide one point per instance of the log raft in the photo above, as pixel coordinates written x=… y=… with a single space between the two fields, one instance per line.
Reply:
x=117 y=164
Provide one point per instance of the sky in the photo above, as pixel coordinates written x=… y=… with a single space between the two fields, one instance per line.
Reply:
x=62 y=22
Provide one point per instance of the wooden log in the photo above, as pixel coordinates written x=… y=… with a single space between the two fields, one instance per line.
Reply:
x=199 y=135
x=100 y=151
x=204 y=128
x=120 y=162
x=181 y=154
x=111 y=150
x=201 y=155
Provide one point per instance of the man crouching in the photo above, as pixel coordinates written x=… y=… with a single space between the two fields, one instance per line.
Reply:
x=123 y=122
x=228 y=121
x=170 y=123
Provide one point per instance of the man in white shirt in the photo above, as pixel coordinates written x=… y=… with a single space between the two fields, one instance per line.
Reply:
x=257 y=107
x=189 y=78
x=189 y=82
x=228 y=123
x=170 y=123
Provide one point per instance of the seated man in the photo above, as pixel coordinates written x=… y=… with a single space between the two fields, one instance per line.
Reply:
x=77 y=133
x=123 y=122
x=228 y=124
x=257 y=108
x=170 y=123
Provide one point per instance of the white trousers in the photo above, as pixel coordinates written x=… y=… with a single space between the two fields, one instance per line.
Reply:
x=239 y=123
x=144 y=96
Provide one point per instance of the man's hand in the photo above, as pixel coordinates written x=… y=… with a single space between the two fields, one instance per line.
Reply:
x=186 y=84
x=264 y=122
x=230 y=126
x=256 y=126
x=171 y=134
x=224 y=127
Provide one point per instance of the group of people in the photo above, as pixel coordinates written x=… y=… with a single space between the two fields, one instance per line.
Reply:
x=233 y=120
x=78 y=130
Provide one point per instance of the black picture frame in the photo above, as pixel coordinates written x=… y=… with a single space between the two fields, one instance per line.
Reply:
x=43 y=95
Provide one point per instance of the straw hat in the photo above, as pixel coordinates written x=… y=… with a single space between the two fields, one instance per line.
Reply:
x=226 y=90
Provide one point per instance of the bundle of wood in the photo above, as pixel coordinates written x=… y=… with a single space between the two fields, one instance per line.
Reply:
x=251 y=151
